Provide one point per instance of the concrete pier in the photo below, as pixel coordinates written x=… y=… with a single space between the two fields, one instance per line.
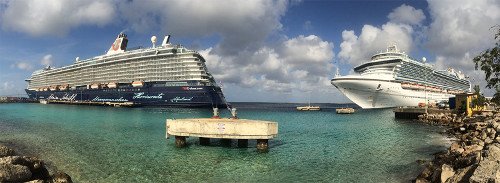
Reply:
x=224 y=129
x=413 y=112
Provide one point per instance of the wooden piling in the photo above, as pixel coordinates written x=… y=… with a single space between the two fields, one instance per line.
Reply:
x=262 y=144
x=204 y=141
x=180 y=141
x=242 y=143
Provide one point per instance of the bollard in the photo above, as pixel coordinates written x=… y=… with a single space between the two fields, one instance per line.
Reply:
x=233 y=113
x=216 y=113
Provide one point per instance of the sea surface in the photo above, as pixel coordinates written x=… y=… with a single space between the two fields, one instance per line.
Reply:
x=106 y=144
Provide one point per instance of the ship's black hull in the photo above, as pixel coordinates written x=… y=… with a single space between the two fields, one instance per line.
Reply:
x=179 y=96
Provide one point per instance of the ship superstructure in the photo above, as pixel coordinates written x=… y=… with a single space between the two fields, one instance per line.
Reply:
x=393 y=79
x=161 y=75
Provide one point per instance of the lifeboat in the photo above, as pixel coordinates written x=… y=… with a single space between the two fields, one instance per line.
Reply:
x=63 y=87
x=137 y=84
x=414 y=86
x=94 y=86
x=405 y=85
x=53 y=88
x=111 y=85
x=45 y=89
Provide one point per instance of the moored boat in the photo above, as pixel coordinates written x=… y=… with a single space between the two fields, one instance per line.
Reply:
x=308 y=108
x=383 y=82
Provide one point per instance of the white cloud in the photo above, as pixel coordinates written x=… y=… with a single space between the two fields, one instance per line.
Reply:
x=459 y=33
x=301 y=63
x=462 y=28
x=358 y=49
x=46 y=60
x=240 y=24
x=23 y=66
x=6 y=88
x=407 y=15
x=54 y=17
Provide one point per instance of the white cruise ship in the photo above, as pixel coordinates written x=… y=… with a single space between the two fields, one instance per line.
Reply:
x=164 y=75
x=393 y=79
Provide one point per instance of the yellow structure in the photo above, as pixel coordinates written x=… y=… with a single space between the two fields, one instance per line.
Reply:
x=464 y=101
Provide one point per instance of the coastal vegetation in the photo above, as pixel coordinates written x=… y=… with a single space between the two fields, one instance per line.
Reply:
x=489 y=62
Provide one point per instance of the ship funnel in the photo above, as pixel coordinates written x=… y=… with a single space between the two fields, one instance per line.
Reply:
x=166 y=40
x=120 y=44
x=153 y=40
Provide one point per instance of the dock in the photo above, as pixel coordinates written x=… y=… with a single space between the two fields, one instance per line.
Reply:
x=414 y=112
x=77 y=102
x=229 y=128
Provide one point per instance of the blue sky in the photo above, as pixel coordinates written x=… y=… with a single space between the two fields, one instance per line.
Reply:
x=261 y=50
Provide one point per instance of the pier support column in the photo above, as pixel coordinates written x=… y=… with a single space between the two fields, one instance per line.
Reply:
x=180 y=141
x=225 y=142
x=242 y=143
x=204 y=141
x=262 y=145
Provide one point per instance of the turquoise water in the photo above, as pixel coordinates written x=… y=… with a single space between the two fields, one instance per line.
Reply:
x=105 y=144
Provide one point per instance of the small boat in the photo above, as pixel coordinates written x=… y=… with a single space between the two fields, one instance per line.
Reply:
x=111 y=85
x=309 y=108
x=137 y=84
x=43 y=101
x=344 y=110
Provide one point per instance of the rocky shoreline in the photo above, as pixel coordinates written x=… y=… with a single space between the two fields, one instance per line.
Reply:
x=475 y=154
x=15 y=168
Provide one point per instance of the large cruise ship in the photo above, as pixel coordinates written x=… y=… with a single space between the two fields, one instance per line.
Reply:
x=167 y=75
x=393 y=79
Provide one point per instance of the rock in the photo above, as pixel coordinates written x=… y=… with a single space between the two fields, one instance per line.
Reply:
x=462 y=175
x=467 y=160
x=483 y=135
x=426 y=173
x=446 y=172
x=488 y=170
x=456 y=148
x=14 y=173
x=61 y=177
x=36 y=181
x=5 y=151
x=471 y=149
x=421 y=180
x=488 y=141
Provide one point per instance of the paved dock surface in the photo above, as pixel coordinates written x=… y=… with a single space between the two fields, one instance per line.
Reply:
x=222 y=128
